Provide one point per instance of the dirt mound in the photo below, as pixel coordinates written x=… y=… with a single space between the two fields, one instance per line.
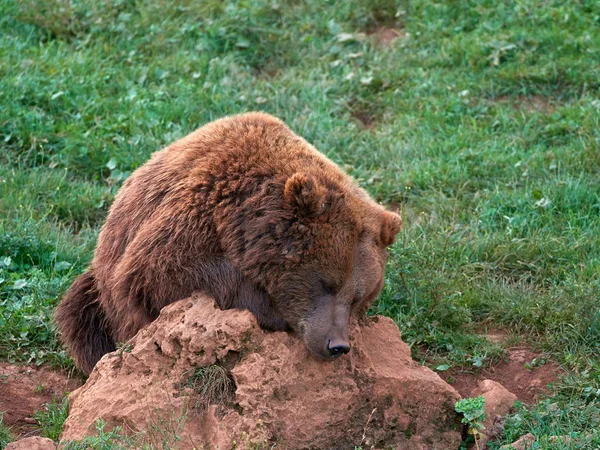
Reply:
x=25 y=389
x=200 y=376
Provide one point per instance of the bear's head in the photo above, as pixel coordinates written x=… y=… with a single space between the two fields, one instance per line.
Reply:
x=321 y=256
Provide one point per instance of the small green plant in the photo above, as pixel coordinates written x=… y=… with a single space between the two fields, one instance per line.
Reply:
x=52 y=418
x=535 y=362
x=473 y=413
x=124 y=347
x=103 y=440
x=165 y=427
x=256 y=441
x=159 y=436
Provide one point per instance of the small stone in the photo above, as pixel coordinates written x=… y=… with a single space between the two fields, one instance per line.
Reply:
x=32 y=443
x=523 y=443
x=579 y=440
x=498 y=403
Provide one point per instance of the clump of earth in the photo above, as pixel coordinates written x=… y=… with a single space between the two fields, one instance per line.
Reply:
x=199 y=376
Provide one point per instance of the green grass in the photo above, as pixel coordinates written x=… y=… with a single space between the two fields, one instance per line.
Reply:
x=484 y=129
x=576 y=422
x=5 y=433
x=52 y=418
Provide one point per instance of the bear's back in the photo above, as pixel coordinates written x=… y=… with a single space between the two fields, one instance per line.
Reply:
x=225 y=157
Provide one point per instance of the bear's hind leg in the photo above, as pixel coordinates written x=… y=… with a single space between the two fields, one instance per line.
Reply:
x=82 y=323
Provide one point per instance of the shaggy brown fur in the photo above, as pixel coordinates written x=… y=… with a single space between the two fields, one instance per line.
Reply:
x=248 y=212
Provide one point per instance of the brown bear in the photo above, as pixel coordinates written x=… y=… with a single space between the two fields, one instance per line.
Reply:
x=248 y=212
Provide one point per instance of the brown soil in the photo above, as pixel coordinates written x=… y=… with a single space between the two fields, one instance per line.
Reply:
x=530 y=103
x=24 y=390
x=515 y=373
x=366 y=119
x=384 y=37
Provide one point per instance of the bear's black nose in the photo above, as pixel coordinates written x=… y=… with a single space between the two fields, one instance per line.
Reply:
x=338 y=350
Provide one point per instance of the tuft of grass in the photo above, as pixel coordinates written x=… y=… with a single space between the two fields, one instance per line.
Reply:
x=5 y=433
x=52 y=418
x=212 y=385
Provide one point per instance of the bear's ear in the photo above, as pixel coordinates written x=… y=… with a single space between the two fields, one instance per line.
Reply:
x=304 y=194
x=390 y=226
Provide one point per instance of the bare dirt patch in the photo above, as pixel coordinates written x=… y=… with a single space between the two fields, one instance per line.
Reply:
x=365 y=114
x=266 y=72
x=24 y=390
x=531 y=103
x=365 y=119
x=384 y=37
x=524 y=372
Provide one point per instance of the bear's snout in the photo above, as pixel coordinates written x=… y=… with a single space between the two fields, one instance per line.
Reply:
x=336 y=348
x=325 y=332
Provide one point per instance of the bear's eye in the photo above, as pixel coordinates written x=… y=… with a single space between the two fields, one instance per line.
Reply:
x=327 y=287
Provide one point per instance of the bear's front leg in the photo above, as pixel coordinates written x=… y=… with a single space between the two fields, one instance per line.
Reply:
x=258 y=303
x=231 y=289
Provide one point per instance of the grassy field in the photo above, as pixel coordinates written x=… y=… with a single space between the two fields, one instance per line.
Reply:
x=480 y=122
